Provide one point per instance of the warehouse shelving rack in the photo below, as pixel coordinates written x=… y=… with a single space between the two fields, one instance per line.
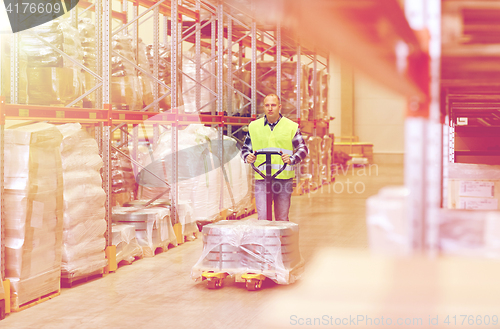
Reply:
x=226 y=33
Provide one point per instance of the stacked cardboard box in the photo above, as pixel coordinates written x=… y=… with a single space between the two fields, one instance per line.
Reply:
x=33 y=211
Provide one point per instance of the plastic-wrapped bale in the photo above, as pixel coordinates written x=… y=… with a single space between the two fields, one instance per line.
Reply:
x=84 y=241
x=389 y=230
x=163 y=74
x=122 y=177
x=251 y=246
x=469 y=233
x=473 y=186
x=266 y=84
x=127 y=247
x=199 y=181
x=33 y=211
x=45 y=64
x=153 y=227
x=126 y=88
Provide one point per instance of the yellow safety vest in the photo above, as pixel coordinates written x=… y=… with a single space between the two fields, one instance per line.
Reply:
x=279 y=139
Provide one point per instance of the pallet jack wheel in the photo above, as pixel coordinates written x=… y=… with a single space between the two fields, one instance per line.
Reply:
x=2 y=309
x=252 y=284
x=213 y=283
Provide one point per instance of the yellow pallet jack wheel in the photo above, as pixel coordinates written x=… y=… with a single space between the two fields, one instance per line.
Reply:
x=253 y=281
x=214 y=279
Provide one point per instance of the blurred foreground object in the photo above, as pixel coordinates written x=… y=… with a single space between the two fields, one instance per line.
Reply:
x=366 y=291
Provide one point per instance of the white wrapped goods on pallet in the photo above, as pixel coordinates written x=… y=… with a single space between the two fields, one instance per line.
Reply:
x=127 y=247
x=251 y=246
x=153 y=227
x=200 y=176
x=33 y=211
x=84 y=242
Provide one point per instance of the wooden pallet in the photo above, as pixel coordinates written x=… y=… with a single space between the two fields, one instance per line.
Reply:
x=147 y=252
x=36 y=301
x=127 y=262
x=70 y=282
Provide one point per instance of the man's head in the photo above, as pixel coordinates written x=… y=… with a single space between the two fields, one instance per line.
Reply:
x=272 y=107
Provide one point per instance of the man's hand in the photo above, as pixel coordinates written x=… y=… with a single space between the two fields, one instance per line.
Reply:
x=250 y=158
x=286 y=159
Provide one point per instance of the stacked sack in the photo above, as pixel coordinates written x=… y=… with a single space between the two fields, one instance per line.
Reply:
x=163 y=74
x=33 y=211
x=266 y=84
x=86 y=31
x=84 y=224
x=126 y=88
x=45 y=64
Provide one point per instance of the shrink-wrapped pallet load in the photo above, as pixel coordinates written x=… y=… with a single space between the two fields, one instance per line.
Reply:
x=153 y=226
x=127 y=247
x=251 y=246
x=126 y=88
x=84 y=241
x=33 y=211
x=200 y=174
x=46 y=64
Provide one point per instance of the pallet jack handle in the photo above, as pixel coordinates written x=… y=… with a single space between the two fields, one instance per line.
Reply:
x=268 y=177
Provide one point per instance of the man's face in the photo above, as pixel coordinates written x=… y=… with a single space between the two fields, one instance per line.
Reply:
x=272 y=108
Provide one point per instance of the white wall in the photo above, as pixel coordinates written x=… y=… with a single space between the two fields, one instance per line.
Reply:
x=378 y=115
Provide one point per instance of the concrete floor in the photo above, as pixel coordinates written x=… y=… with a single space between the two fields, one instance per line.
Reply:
x=159 y=293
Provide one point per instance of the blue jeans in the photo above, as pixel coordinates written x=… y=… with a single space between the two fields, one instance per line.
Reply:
x=281 y=195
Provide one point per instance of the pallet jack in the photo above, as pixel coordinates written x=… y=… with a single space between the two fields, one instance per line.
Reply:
x=226 y=253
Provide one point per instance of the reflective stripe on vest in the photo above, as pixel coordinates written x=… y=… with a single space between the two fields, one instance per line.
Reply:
x=276 y=167
x=279 y=139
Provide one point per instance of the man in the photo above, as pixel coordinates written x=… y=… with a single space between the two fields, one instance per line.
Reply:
x=278 y=132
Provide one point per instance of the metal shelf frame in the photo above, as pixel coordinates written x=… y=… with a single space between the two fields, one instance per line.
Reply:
x=227 y=33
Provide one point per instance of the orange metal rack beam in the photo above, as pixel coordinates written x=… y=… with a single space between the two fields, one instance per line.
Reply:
x=93 y=116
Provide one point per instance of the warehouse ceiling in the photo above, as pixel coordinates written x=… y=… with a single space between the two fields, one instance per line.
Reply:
x=470 y=65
